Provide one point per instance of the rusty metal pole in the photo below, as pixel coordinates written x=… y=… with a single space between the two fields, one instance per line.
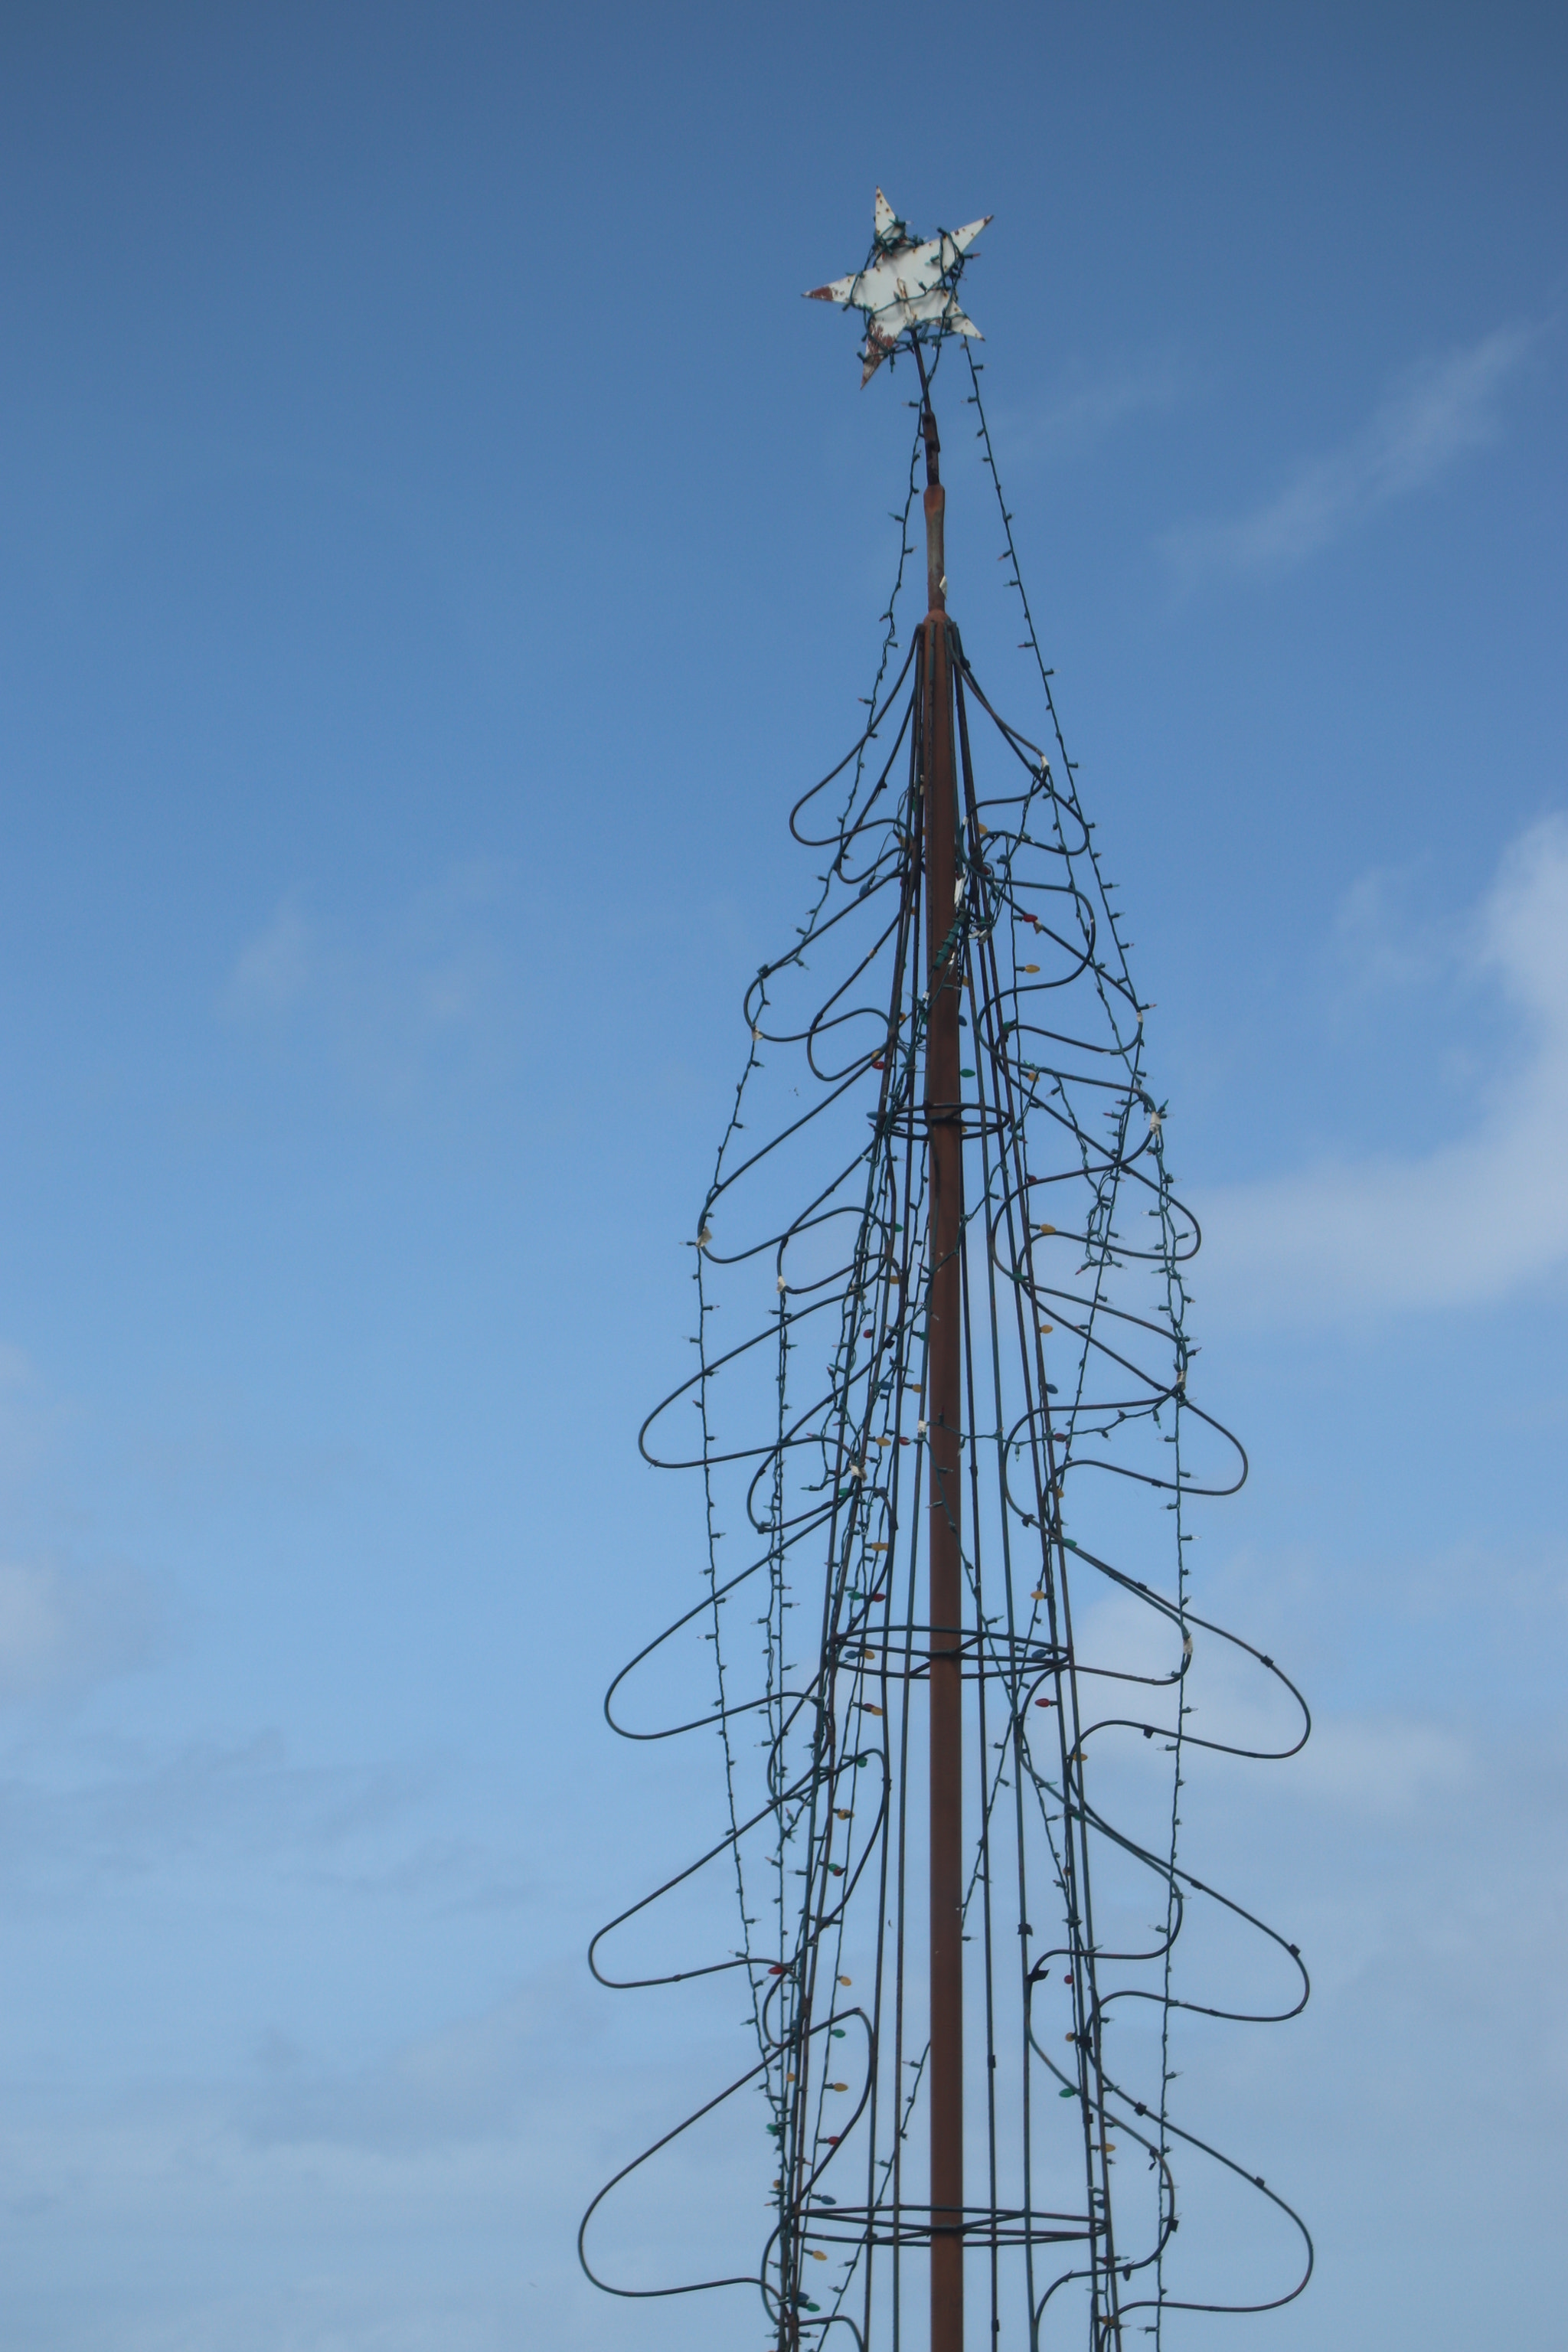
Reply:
x=943 y=1414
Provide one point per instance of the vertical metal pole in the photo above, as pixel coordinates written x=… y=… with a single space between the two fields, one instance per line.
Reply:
x=944 y=1419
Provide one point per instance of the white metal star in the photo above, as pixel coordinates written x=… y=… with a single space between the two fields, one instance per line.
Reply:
x=905 y=286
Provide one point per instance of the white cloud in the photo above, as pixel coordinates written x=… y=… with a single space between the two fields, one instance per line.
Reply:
x=1378 y=944
x=1378 y=1766
x=1443 y=409
x=24 y=1416
x=1467 y=1222
x=107 y=1814
x=466 y=2080
x=60 y=1628
x=393 y=994
x=1381 y=1765
x=273 y=971
x=1088 y=407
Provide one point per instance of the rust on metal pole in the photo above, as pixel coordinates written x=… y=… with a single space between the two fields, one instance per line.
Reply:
x=943 y=1415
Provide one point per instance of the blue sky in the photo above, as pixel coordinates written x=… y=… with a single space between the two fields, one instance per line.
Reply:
x=437 y=544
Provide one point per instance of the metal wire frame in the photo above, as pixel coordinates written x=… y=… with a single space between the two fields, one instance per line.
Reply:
x=826 y=1490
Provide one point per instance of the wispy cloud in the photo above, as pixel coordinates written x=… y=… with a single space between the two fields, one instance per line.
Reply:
x=275 y=969
x=105 y=1815
x=429 y=982
x=468 y=2080
x=1442 y=409
x=63 y=1628
x=1086 y=406
x=1385 y=1766
x=26 y=1415
x=1470 y=1221
x=1380 y=941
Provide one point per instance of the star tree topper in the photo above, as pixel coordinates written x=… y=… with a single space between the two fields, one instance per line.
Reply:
x=904 y=286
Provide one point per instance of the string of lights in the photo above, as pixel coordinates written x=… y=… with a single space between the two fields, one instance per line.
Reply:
x=1083 y=1449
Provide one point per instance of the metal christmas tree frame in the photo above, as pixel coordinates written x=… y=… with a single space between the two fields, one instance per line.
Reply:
x=960 y=1437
